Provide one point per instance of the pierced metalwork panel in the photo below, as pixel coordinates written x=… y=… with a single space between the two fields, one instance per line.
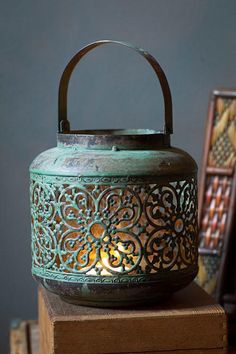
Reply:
x=94 y=231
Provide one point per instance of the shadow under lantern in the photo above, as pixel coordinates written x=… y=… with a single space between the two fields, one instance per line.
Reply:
x=114 y=212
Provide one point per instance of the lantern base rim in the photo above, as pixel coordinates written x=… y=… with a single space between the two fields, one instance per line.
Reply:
x=118 y=304
x=115 y=295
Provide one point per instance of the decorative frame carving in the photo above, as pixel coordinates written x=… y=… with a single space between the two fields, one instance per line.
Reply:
x=217 y=192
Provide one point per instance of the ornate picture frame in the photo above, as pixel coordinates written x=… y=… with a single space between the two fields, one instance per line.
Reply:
x=217 y=192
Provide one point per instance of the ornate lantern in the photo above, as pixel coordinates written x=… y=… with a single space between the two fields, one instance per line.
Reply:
x=114 y=212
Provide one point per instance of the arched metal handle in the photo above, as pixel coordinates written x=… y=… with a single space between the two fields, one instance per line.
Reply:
x=63 y=123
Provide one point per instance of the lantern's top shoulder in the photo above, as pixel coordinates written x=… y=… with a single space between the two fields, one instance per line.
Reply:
x=85 y=162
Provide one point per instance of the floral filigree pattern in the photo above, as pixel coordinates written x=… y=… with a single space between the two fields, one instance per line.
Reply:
x=171 y=210
x=102 y=230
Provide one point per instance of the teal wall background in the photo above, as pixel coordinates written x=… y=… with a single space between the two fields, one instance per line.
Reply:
x=194 y=41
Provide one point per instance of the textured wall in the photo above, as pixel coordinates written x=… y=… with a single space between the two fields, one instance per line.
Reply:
x=194 y=40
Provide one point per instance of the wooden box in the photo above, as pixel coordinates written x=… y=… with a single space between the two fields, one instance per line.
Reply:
x=24 y=337
x=189 y=322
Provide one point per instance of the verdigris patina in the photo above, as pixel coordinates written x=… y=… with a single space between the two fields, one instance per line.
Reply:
x=114 y=212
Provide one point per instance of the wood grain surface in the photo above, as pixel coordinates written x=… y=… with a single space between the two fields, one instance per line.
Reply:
x=24 y=339
x=188 y=322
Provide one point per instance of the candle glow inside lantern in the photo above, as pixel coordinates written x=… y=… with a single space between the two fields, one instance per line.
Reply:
x=114 y=212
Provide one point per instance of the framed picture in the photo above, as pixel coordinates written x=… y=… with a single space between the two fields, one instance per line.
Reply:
x=217 y=193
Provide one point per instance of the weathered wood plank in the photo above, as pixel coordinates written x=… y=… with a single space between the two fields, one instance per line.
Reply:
x=24 y=338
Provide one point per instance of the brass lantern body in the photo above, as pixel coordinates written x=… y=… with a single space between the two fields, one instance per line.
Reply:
x=114 y=212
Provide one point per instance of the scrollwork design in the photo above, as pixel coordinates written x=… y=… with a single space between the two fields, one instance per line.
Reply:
x=172 y=211
x=102 y=230
x=42 y=202
x=43 y=246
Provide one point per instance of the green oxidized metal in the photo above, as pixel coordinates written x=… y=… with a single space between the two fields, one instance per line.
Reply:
x=114 y=212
